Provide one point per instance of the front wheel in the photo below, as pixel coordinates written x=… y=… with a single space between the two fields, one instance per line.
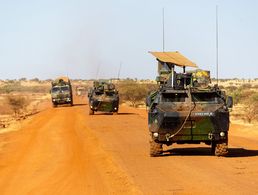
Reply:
x=155 y=148
x=220 y=148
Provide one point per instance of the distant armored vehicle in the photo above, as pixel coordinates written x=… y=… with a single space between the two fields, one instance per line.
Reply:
x=186 y=109
x=103 y=97
x=61 y=91
x=80 y=91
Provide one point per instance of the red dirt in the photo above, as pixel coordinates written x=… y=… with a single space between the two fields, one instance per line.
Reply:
x=65 y=151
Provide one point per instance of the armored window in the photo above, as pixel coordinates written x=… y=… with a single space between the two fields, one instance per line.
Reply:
x=98 y=92
x=174 y=97
x=206 y=97
x=55 y=89
x=65 y=88
x=110 y=93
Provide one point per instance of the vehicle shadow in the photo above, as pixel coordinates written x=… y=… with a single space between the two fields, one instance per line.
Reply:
x=126 y=113
x=110 y=113
x=197 y=151
x=241 y=152
x=206 y=151
x=80 y=104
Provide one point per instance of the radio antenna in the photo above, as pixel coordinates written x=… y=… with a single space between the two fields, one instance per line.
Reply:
x=217 y=45
x=118 y=76
x=163 y=28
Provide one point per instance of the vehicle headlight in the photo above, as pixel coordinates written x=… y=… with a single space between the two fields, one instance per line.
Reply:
x=222 y=134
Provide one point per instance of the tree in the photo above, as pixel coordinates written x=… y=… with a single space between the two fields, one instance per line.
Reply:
x=251 y=108
x=23 y=79
x=35 y=79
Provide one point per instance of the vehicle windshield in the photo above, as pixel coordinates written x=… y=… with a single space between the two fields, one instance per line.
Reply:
x=55 y=89
x=65 y=88
x=110 y=93
x=58 y=89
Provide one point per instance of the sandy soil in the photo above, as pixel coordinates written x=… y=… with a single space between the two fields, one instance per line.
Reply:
x=66 y=151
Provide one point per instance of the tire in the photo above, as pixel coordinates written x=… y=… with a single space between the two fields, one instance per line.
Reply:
x=91 y=112
x=155 y=149
x=54 y=105
x=220 y=148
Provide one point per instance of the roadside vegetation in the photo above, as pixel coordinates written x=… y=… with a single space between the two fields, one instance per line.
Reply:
x=18 y=104
x=19 y=96
x=245 y=99
x=16 y=86
x=134 y=92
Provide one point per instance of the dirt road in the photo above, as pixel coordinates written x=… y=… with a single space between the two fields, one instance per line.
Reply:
x=66 y=151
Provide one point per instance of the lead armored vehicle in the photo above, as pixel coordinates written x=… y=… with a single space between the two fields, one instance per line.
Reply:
x=61 y=91
x=186 y=109
x=103 y=97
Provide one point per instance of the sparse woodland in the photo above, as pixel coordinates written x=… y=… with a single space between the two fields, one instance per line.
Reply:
x=17 y=95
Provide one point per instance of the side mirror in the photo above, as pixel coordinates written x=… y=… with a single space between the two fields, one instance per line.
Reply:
x=229 y=102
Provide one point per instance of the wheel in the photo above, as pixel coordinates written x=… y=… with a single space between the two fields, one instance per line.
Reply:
x=155 y=148
x=91 y=112
x=54 y=105
x=220 y=148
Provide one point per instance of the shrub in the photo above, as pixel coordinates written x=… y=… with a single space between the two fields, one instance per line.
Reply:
x=17 y=103
x=246 y=86
x=251 y=104
x=17 y=87
x=134 y=92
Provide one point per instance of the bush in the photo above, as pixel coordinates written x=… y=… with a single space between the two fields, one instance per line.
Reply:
x=17 y=103
x=246 y=86
x=251 y=104
x=134 y=92
x=17 y=87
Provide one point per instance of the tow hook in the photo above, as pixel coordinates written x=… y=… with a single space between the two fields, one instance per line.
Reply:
x=210 y=136
x=167 y=137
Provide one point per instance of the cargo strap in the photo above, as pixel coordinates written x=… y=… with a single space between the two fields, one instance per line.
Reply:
x=186 y=118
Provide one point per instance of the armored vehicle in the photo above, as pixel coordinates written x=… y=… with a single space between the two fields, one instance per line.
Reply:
x=80 y=91
x=186 y=109
x=103 y=97
x=61 y=91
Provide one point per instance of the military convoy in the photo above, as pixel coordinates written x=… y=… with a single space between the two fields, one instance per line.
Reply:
x=103 y=97
x=186 y=109
x=61 y=91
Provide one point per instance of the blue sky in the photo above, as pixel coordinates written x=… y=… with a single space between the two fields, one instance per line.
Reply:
x=48 y=38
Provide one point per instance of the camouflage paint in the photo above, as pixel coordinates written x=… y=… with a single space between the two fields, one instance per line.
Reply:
x=166 y=118
x=103 y=99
